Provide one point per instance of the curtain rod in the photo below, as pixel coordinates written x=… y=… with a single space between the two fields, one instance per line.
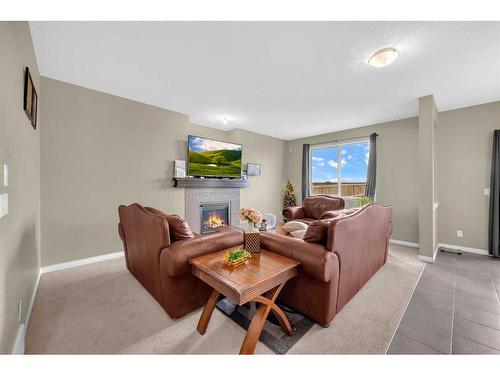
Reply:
x=343 y=140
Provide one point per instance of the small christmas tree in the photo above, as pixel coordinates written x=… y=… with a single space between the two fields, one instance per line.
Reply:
x=289 y=198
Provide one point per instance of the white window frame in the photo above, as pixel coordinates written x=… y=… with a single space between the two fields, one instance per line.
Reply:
x=339 y=145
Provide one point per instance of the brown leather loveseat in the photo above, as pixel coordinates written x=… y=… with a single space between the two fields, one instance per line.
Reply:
x=332 y=272
x=160 y=262
x=314 y=208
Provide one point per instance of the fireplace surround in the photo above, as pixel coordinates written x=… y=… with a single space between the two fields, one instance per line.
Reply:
x=197 y=197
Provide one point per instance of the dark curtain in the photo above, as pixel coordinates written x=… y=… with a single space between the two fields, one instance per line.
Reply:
x=371 y=178
x=494 y=224
x=305 y=170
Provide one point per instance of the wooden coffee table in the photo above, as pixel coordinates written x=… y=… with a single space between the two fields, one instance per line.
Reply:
x=260 y=280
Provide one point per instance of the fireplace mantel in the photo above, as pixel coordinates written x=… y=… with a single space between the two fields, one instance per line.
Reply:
x=210 y=183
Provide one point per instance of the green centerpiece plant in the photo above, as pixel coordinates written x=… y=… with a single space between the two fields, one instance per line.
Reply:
x=236 y=256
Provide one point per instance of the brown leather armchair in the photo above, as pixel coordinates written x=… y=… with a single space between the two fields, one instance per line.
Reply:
x=314 y=208
x=331 y=274
x=160 y=264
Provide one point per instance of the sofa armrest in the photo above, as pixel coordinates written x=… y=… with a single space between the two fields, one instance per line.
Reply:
x=331 y=214
x=174 y=259
x=292 y=213
x=316 y=261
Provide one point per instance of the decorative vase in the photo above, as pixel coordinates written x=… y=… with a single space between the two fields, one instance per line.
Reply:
x=251 y=227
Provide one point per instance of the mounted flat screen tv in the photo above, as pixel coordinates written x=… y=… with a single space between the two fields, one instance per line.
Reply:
x=211 y=158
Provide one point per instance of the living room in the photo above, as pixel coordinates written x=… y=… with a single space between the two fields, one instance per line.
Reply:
x=250 y=187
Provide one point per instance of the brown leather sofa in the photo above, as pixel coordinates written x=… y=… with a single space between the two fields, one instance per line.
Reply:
x=161 y=264
x=314 y=208
x=332 y=273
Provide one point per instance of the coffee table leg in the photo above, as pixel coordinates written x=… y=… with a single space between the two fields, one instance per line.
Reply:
x=259 y=319
x=207 y=312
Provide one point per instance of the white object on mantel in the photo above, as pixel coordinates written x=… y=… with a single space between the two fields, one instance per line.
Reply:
x=179 y=168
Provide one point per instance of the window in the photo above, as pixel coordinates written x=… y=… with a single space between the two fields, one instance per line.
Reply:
x=339 y=168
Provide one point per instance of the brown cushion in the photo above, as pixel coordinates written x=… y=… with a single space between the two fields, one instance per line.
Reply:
x=331 y=214
x=349 y=211
x=317 y=231
x=179 y=229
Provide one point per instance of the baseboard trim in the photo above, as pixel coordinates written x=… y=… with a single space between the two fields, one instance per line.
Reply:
x=21 y=332
x=404 y=243
x=427 y=259
x=465 y=249
x=81 y=262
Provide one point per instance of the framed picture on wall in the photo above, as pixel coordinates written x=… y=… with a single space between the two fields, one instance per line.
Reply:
x=253 y=169
x=30 y=102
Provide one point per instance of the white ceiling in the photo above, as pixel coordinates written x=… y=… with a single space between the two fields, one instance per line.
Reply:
x=284 y=79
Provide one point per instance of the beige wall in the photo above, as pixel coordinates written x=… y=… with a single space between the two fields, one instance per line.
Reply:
x=397 y=169
x=462 y=168
x=99 y=151
x=265 y=190
x=20 y=150
x=464 y=147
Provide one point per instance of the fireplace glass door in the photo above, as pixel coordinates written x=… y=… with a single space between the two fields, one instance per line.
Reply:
x=213 y=215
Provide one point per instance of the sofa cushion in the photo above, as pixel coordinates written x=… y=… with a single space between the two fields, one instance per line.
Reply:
x=292 y=226
x=317 y=231
x=315 y=206
x=331 y=214
x=298 y=233
x=179 y=229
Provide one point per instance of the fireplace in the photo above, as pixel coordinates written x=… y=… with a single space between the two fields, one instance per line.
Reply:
x=214 y=215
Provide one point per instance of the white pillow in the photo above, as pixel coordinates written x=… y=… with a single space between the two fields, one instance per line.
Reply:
x=293 y=226
x=299 y=233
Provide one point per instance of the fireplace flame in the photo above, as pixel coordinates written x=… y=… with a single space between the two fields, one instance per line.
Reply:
x=214 y=221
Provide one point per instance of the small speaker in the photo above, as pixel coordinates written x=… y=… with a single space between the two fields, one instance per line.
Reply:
x=179 y=168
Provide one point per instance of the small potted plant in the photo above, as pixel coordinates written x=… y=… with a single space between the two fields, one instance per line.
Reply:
x=235 y=257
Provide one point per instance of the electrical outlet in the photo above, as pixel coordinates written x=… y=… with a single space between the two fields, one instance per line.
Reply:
x=460 y=233
x=20 y=309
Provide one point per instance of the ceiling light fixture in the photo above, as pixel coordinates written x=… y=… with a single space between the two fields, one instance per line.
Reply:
x=224 y=120
x=383 y=57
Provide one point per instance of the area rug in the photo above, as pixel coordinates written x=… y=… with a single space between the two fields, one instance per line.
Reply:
x=272 y=335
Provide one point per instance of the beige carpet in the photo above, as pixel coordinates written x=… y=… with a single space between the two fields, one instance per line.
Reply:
x=101 y=308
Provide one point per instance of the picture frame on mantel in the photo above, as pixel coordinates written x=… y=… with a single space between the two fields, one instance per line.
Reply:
x=30 y=98
x=253 y=169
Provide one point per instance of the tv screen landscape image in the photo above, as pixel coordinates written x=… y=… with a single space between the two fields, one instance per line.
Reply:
x=208 y=157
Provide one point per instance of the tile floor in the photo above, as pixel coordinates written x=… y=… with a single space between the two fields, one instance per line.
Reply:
x=455 y=308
